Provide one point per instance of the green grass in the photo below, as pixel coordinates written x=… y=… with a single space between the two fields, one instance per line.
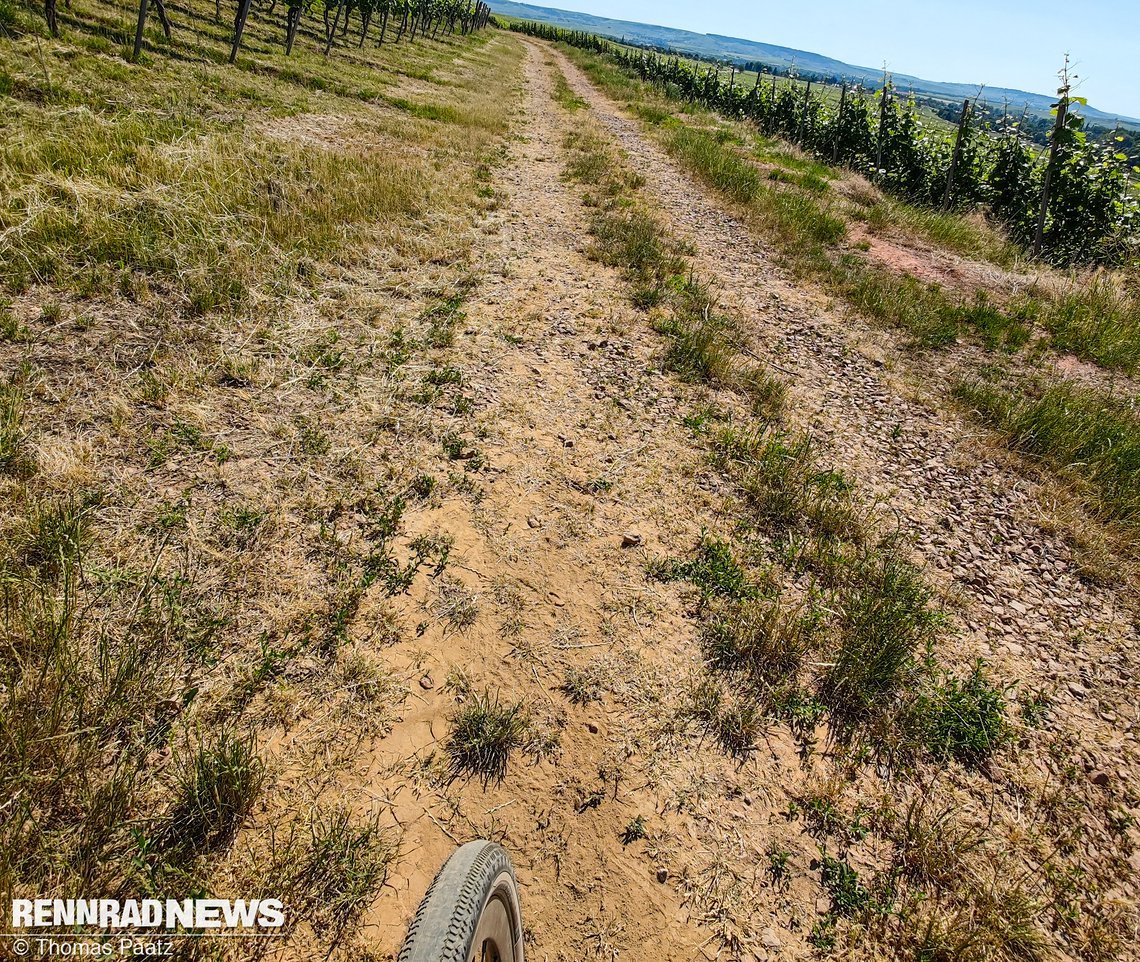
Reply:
x=786 y=487
x=1081 y=433
x=868 y=619
x=214 y=794
x=704 y=344
x=564 y=95
x=713 y=570
x=1099 y=321
x=720 y=167
x=964 y=718
x=933 y=316
x=963 y=235
x=766 y=639
x=634 y=241
x=341 y=870
x=485 y=732
x=885 y=620
x=16 y=458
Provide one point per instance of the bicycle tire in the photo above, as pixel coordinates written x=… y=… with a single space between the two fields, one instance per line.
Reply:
x=471 y=911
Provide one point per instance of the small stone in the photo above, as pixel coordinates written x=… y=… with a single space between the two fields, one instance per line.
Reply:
x=591 y=728
x=426 y=683
x=662 y=875
x=770 y=939
x=1100 y=779
x=532 y=521
x=631 y=540
x=823 y=906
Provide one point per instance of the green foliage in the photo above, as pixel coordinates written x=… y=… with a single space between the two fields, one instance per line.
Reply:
x=885 y=618
x=634 y=831
x=1093 y=214
x=964 y=719
x=842 y=882
x=484 y=734
x=714 y=571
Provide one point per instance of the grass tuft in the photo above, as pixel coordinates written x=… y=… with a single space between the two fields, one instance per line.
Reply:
x=885 y=620
x=214 y=794
x=964 y=719
x=714 y=571
x=484 y=733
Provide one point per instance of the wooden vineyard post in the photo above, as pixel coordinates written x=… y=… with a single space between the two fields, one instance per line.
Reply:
x=839 y=125
x=336 y=23
x=882 y=124
x=143 y=4
x=163 y=18
x=239 y=28
x=804 y=113
x=50 y=17
x=1058 y=131
x=957 y=153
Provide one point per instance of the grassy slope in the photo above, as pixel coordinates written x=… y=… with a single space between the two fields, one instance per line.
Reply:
x=213 y=277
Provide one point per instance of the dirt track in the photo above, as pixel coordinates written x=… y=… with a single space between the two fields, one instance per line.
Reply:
x=568 y=394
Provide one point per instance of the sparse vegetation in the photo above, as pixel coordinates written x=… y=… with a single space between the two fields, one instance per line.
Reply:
x=1083 y=433
x=199 y=531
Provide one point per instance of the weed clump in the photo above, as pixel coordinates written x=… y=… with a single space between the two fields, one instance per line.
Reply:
x=485 y=732
x=714 y=571
x=214 y=794
x=964 y=719
x=763 y=638
x=842 y=882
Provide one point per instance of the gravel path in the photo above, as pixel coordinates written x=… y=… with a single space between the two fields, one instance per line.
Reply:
x=584 y=442
x=1025 y=607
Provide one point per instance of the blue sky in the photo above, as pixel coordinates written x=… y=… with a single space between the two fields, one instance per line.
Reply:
x=1003 y=43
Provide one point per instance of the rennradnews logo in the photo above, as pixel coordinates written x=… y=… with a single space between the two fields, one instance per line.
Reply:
x=112 y=915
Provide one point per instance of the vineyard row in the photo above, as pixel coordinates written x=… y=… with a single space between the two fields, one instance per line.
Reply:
x=1075 y=205
x=396 y=19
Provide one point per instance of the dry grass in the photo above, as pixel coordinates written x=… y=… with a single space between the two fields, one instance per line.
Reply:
x=205 y=270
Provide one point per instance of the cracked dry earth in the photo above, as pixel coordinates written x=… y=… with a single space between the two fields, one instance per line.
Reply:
x=585 y=441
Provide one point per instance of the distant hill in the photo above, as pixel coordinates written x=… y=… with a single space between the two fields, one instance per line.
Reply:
x=715 y=47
